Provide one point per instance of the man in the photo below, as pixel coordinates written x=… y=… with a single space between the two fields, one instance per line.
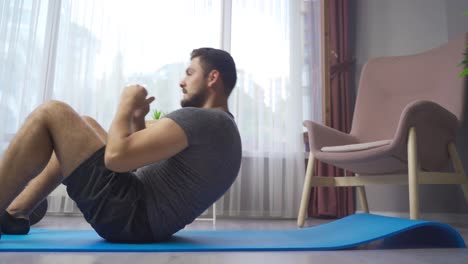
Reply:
x=184 y=162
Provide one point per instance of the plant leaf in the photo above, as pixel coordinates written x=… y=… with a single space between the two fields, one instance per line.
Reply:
x=463 y=73
x=158 y=114
x=466 y=13
x=463 y=62
x=155 y=114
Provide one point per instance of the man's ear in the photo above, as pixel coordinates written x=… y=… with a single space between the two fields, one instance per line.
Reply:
x=213 y=77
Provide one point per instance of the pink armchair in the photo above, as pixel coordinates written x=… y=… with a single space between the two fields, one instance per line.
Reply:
x=408 y=109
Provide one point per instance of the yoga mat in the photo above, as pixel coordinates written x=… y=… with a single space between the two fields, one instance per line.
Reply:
x=348 y=232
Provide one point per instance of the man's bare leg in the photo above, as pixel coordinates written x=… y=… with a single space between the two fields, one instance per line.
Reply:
x=41 y=186
x=52 y=127
x=36 y=190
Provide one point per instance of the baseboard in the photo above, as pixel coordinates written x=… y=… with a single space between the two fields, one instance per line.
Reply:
x=450 y=218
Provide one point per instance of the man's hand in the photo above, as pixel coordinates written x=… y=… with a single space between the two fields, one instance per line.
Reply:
x=133 y=100
x=141 y=112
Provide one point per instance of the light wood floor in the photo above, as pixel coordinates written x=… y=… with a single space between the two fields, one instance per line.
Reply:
x=362 y=255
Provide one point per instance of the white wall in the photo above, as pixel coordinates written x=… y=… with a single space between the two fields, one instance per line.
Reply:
x=399 y=27
x=457 y=21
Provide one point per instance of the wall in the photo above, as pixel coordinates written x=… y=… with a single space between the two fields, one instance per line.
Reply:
x=399 y=27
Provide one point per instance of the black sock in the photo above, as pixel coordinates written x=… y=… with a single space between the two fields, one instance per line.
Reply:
x=13 y=226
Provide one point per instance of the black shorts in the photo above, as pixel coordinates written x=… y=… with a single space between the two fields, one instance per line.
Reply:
x=112 y=203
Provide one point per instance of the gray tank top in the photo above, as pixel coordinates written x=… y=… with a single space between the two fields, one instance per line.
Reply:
x=179 y=189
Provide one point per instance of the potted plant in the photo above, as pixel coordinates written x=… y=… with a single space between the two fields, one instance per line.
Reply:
x=464 y=63
x=156 y=115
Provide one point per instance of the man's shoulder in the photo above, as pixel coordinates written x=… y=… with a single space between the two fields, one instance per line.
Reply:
x=203 y=119
x=201 y=113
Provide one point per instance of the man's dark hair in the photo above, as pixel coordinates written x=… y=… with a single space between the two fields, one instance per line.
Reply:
x=220 y=60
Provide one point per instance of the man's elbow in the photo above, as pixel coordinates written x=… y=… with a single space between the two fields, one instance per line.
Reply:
x=114 y=162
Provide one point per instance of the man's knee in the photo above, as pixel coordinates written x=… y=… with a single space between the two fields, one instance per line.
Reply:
x=54 y=104
x=54 y=108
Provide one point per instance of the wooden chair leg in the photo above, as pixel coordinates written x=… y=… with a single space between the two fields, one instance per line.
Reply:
x=362 y=198
x=214 y=215
x=458 y=166
x=465 y=190
x=413 y=175
x=361 y=191
x=306 y=191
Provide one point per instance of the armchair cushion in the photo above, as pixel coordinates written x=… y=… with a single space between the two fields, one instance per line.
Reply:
x=356 y=147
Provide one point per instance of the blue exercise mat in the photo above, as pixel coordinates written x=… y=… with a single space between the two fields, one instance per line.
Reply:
x=348 y=232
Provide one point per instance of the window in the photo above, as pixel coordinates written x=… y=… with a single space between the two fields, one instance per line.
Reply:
x=84 y=53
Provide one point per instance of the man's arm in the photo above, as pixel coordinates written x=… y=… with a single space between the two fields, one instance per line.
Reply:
x=126 y=150
x=138 y=117
x=161 y=141
x=138 y=123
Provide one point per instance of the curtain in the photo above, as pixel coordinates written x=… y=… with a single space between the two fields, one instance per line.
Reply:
x=23 y=59
x=268 y=106
x=84 y=52
x=333 y=202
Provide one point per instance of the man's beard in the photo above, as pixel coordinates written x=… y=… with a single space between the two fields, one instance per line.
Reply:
x=195 y=100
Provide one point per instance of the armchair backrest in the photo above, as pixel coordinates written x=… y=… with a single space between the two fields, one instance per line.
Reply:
x=388 y=84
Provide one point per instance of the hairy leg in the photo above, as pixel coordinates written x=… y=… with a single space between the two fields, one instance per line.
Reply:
x=54 y=127
x=42 y=185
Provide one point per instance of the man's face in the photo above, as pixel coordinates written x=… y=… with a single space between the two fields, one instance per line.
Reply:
x=194 y=85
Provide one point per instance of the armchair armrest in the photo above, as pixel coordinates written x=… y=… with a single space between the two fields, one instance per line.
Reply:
x=320 y=136
x=435 y=128
x=429 y=118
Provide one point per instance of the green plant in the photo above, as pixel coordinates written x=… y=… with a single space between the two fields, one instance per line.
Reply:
x=464 y=63
x=157 y=114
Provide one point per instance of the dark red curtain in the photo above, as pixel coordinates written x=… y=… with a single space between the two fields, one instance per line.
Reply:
x=336 y=202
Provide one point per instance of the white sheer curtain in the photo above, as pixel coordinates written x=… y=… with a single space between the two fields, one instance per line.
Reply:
x=23 y=58
x=84 y=52
x=271 y=100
